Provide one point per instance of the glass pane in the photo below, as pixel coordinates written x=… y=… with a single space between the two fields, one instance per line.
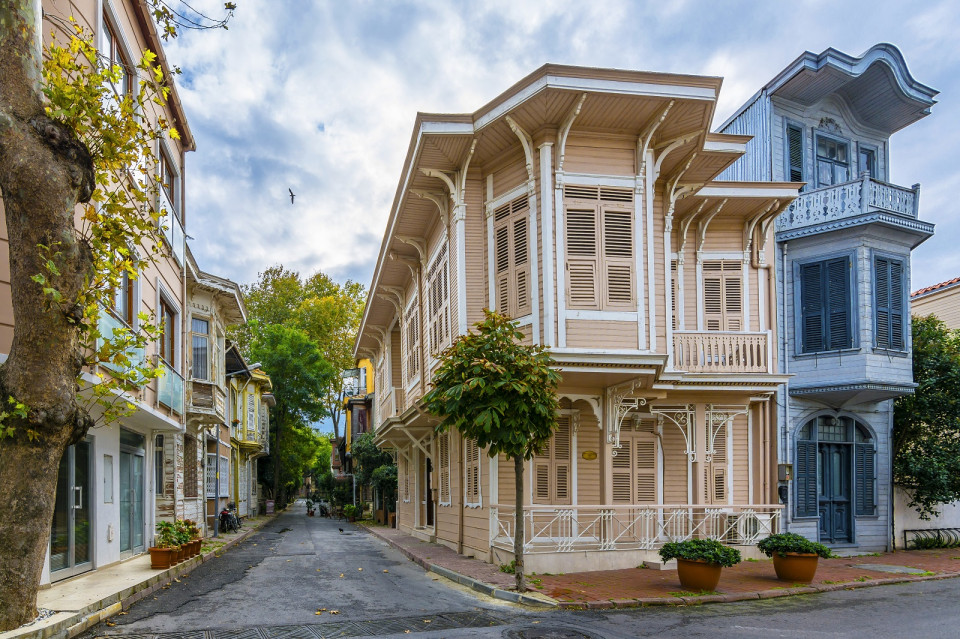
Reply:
x=832 y=430
x=823 y=147
x=824 y=173
x=862 y=435
x=804 y=433
x=842 y=174
x=125 y=492
x=821 y=466
x=841 y=152
x=60 y=531
x=201 y=326
x=132 y=439
x=836 y=471
x=81 y=503
x=201 y=369
x=136 y=499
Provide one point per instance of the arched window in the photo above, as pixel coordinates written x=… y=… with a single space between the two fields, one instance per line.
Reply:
x=835 y=465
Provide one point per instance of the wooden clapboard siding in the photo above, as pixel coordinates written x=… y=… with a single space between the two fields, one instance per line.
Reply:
x=755 y=121
x=725 y=236
x=512 y=173
x=505 y=481
x=527 y=338
x=753 y=312
x=674 y=465
x=741 y=466
x=944 y=304
x=607 y=334
x=589 y=472
x=396 y=376
x=600 y=154
x=476 y=251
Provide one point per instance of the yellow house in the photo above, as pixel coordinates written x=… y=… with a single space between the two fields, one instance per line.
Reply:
x=582 y=203
x=250 y=400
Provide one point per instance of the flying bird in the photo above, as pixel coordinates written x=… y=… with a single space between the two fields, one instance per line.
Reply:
x=291 y=195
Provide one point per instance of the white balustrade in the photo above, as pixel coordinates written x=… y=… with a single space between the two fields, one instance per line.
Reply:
x=720 y=352
x=549 y=529
x=863 y=195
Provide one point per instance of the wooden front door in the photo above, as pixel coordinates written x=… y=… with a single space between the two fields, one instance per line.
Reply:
x=835 y=491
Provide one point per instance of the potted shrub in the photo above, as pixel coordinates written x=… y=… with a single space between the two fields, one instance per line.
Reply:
x=699 y=561
x=193 y=530
x=183 y=539
x=350 y=512
x=163 y=553
x=795 y=557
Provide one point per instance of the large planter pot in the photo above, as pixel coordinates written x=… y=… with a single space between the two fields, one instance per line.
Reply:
x=194 y=546
x=795 y=567
x=180 y=554
x=697 y=575
x=161 y=558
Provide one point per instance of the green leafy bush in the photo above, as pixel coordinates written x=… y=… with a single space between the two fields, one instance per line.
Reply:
x=351 y=511
x=782 y=543
x=929 y=543
x=708 y=550
x=167 y=535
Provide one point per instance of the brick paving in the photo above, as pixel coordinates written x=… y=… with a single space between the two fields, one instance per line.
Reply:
x=640 y=586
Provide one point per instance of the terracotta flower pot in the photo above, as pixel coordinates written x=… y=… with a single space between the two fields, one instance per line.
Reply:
x=161 y=558
x=697 y=575
x=795 y=567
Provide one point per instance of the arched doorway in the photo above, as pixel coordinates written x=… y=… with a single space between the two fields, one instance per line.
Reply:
x=835 y=475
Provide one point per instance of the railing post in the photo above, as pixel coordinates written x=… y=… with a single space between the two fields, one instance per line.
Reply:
x=864 y=190
x=916 y=200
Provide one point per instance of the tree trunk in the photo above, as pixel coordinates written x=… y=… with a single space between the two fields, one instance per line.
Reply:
x=518 y=530
x=44 y=172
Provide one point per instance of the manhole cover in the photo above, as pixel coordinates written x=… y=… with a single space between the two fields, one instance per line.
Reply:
x=547 y=632
x=898 y=570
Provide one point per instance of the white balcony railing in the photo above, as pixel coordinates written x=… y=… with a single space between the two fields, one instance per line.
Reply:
x=629 y=526
x=170 y=389
x=721 y=352
x=847 y=200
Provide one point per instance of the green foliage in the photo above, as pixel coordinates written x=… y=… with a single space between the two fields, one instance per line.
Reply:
x=384 y=479
x=352 y=511
x=930 y=543
x=510 y=568
x=497 y=391
x=926 y=430
x=167 y=536
x=367 y=458
x=708 y=550
x=782 y=543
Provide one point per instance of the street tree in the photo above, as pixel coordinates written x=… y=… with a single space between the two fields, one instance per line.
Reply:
x=926 y=425
x=501 y=393
x=367 y=458
x=299 y=374
x=79 y=182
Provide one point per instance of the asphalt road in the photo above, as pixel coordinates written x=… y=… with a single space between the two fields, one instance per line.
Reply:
x=273 y=585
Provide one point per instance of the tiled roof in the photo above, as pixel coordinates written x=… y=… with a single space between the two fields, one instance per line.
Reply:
x=936 y=287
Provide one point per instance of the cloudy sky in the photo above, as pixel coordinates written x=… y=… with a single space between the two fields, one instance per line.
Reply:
x=320 y=97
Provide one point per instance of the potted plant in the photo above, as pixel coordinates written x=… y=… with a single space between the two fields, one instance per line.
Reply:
x=795 y=557
x=699 y=561
x=193 y=530
x=350 y=512
x=183 y=539
x=164 y=551
x=309 y=508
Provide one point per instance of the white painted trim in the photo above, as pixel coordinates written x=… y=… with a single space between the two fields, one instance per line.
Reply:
x=526 y=320
x=729 y=478
x=605 y=369
x=561 y=267
x=750 y=496
x=715 y=190
x=724 y=146
x=745 y=292
x=700 y=310
x=534 y=269
x=623 y=87
x=736 y=256
x=491 y=258
x=638 y=213
x=546 y=233
x=494 y=204
x=650 y=183
x=620 y=316
x=461 y=239
x=163 y=293
x=598 y=179
x=433 y=127
x=494 y=477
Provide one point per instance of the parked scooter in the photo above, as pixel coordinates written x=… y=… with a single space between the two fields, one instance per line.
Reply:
x=229 y=521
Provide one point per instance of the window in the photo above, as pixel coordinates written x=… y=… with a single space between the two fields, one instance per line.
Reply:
x=552 y=466
x=411 y=343
x=716 y=477
x=634 y=465
x=822 y=489
x=677 y=322
x=600 y=248
x=833 y=161
x=794 y=153
x=170 y=188
x=825 y=306
x=190 y=475
x=438 y=288
x=443 y=457
x=168 y=340
x=224 y=476
x=868 y=161
x=511 y=234
x=405 y=480
x=158 y=462
x=124 y=299
x=471 y=478
x=115 y=58
x=201 y=348
x=211 y=475
x=889 y=296
x=722 y=295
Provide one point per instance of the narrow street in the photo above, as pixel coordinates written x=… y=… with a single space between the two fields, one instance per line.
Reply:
x=273 y=585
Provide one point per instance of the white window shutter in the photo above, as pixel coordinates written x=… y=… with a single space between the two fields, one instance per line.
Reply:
x=582 y=255
x=618 y=259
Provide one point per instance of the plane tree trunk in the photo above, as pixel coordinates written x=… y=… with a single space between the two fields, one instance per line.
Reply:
x=44 y=172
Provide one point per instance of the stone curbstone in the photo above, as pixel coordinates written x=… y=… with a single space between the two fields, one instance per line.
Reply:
x=739 y=596
x=660 y=601
x=625 y=603
x=599 y=605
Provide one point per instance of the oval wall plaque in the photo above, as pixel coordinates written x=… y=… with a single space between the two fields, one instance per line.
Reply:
x=589 y=455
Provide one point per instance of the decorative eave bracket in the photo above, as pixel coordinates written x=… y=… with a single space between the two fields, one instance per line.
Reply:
x=683 y=417
x=717 y=417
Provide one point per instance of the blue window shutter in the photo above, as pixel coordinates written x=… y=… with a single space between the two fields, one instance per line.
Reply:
x=811 y=308
x=865 y=479
x=838 y=303
x=897 y=321
x=888 y=292
x=795 y=153
x=805 y=478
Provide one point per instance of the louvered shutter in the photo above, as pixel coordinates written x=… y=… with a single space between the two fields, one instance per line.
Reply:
x=889 y=303
x=511 y=248
x=811 y=307
x=865 y=479
x=618 y=259
x=443 y=453
x=562 y=440
x=622 y=465
x=732 y=303
x=722 y=295
x=897 y=321
x=838 y=303
x=645 y=466
x=521 y=262
x=673 y=294
x=717 y=473
x=795 y=153
x=502 y=248
x=471 y=463
x=582 y=254
x=713 y=302
x=805 y=479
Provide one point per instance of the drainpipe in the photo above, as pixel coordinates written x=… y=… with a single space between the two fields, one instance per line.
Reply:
x=786 y=384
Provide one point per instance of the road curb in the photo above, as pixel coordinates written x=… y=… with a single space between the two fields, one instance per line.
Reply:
x=82 y=620
x=474 y=584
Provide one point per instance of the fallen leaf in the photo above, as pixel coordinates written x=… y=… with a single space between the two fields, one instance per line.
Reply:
x=536 y=622
x=176 y=580
x=334 y=612
x=426 y=621
x=318 y=570
x=288 y=560
x=121 y=613
x=318 y=613
x=386 y=571
x=360 y=569
x=323 y=610
x=341 y=575
x=111 y=624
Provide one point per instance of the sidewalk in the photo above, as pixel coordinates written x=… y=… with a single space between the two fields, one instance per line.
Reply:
x=83 y=601
x=634 y=587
